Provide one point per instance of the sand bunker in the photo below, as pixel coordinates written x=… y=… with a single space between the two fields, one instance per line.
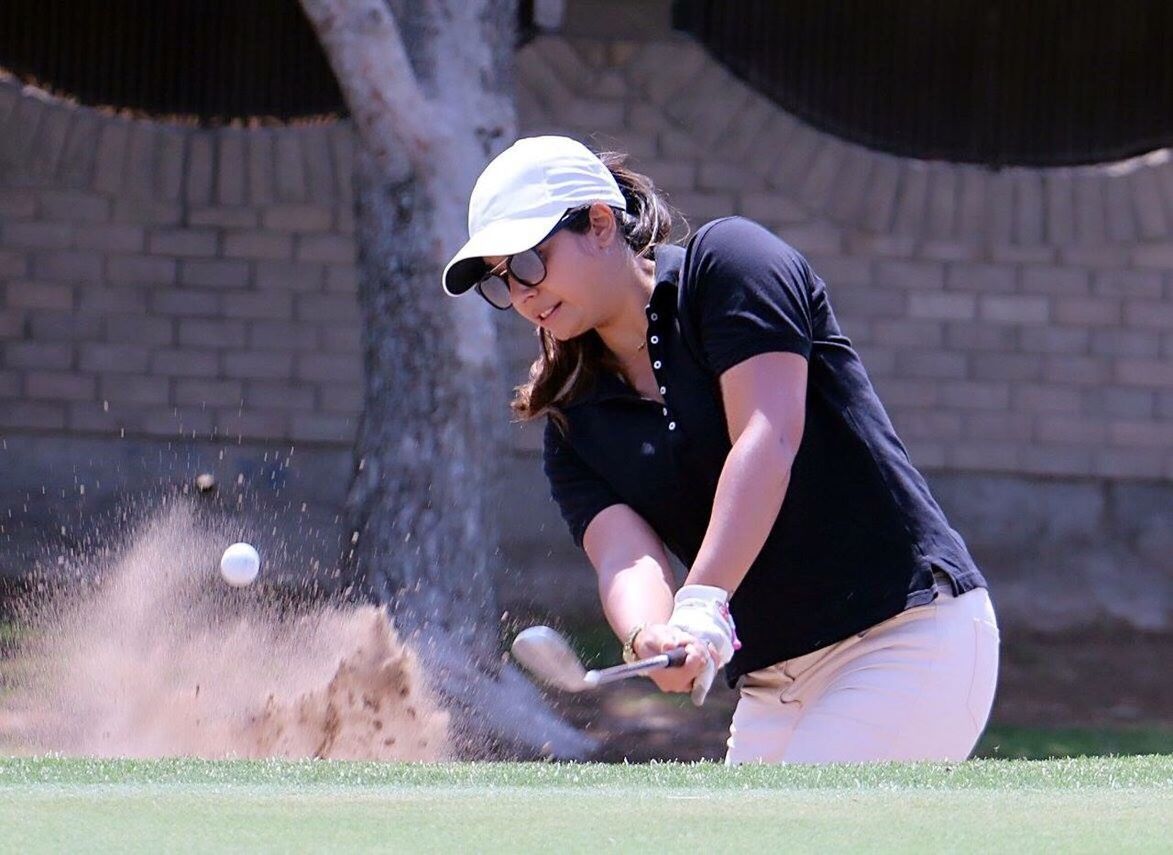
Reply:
x=161 y=658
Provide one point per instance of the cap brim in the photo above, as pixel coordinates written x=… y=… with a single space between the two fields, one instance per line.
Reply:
x=500 y=238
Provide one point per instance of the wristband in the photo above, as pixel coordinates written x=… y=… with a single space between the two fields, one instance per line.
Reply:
x=629 y=643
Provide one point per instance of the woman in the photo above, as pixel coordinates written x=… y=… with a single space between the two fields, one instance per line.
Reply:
x=702 y=400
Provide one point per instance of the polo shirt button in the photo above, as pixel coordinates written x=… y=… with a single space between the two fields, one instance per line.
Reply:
x=655 y=339
x=663 y=390
x=671 y=425
x=656 y=364
x=655 y=317
x=665 y=411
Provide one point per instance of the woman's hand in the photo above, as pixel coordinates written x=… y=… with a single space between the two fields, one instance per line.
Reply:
x=658 y=638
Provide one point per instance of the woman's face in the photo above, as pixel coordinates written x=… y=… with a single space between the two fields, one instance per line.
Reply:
x=574 y=297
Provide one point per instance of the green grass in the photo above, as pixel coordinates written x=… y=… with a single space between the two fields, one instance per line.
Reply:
x=1086 y=805
x=1036 y=743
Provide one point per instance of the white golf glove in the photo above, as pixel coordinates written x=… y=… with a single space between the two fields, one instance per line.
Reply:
x=703 y=612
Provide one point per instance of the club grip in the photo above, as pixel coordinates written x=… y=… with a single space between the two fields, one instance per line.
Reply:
x=676 y=657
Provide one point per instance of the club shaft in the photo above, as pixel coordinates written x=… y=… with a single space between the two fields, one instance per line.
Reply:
x=672 y=659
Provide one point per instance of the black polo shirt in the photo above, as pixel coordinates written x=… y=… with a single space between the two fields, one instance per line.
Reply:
x=858 y=535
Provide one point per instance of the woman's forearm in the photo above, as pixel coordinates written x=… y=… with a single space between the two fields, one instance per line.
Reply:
x=636 y=595
x=749 y=495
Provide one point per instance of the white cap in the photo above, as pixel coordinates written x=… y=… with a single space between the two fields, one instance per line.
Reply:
x=521 y=196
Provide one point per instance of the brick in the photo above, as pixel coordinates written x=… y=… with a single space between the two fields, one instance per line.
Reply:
x=981 y=278
x=1087 y=311
x=930 y=424
x=68 y=266
x=1127 y=463
x=1075 y=431
x=18 y=137
x=151 y=331
x=985 y=455
x=965 y=335
x=131 y=389
x=251 y=425
x=971 y=210
x=815 y=186
x=896 y=392
x=188 y=422
x=998 y=425
x=272 y=305
x=259 y=364
x=81 y=144
x=1095 y=256
x=152 y=212
x=13 y=265
x=1014 y=309
x=952 y=249
x=101 y=417
x=297 y=218
x=1145 y=372
x=912 y=200
x=319 y=169
x=1156 y=255
x=774 y=208
x=281 y=335
x=10 y=384
x=976 y=395
x=1148 y=208
x=17 y=203
x=920 y=275
x=260 y=166
x=945 y=366
x=342 y=279
x=942 y=306
x=329 y=249
x=1056 y=460
x=1120 y=403
x=170 y=169
x=284 y=275
x=1060 y=206
x=342 y=338
x=214 y=393
x=144 y=269
x=879 y=202
x=211 y=333
x=50 y=142
x=110 y=158
x=142 y=161
x=201 y=169
x=189 y=243
x=259 y=245
x=231 y=183
x=697 y=206
x=1125 y=342
x=1059 y=340
x=124 y=299
x=214 y=273
x=1145 y=284
x=40 y=355
x=1045 y=398
x=1078 y=370
x=38 y=235
x=72 y=206
x=330 y=368
x=176 y=302
x=267 y=394
x=1008 y=253
x=114 y=358
x=1006 y=366
x=42 y=415
x=328 y=308
x=59 y=386
x=1064 y=281
x=1090 y=215
x=39 y=295
x=322 y=428
x=185 y=363
x=1149 y=314
x=1028 y=207
x=228 y=218
x=999 y=223
x=903 y=332
x=64 y=326
x=342 y=147
x=289 y=173
x=115 y=238
x=869 y=303
x=1118 y=206
x=341 y=399
x=943 y=198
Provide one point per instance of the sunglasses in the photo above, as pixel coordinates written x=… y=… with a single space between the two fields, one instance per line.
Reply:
x=527 y=269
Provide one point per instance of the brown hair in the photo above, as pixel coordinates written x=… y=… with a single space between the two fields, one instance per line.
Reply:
x=566 y=369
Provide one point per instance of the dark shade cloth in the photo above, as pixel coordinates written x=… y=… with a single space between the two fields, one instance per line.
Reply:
x=858 y=535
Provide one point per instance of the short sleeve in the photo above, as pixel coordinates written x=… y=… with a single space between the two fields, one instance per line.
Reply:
x=577 y=489
x=746 y=292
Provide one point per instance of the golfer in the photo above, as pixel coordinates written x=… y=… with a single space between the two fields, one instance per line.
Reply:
x=701 y=400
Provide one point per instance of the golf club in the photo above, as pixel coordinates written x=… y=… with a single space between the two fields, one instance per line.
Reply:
x=548 y=656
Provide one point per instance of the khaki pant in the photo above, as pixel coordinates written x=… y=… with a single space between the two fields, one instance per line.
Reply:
x=918 y=686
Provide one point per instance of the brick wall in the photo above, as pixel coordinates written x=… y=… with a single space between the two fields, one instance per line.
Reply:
x=158 y=280
x=1015 y=321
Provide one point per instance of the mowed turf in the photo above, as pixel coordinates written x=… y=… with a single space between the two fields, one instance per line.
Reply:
x=1074 y=805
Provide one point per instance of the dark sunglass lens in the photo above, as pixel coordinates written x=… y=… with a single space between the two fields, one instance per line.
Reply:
x=496 y=291
x=527 y=267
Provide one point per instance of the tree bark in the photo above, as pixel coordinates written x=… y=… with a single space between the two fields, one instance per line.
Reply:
x=429 y=88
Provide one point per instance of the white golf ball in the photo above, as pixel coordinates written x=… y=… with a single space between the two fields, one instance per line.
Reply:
x=240 y=564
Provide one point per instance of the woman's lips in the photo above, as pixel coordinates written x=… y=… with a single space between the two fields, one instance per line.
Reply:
x=549 y=313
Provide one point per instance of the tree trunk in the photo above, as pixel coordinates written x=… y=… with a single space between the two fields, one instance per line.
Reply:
x=428 y=84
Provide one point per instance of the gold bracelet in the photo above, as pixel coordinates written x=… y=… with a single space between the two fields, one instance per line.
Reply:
x=629 y=643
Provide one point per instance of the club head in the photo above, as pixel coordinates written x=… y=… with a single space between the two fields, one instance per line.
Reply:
x=547 y=656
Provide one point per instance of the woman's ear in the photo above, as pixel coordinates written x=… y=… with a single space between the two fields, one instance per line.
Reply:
x=604 y=227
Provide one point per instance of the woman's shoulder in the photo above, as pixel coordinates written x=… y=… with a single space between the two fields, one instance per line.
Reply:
x=736 y=232
x=738 y=246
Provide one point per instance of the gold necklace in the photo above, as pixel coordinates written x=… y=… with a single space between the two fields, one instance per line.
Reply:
x=642 y=345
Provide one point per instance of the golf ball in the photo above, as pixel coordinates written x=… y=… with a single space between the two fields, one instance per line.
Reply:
x=240 y=564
